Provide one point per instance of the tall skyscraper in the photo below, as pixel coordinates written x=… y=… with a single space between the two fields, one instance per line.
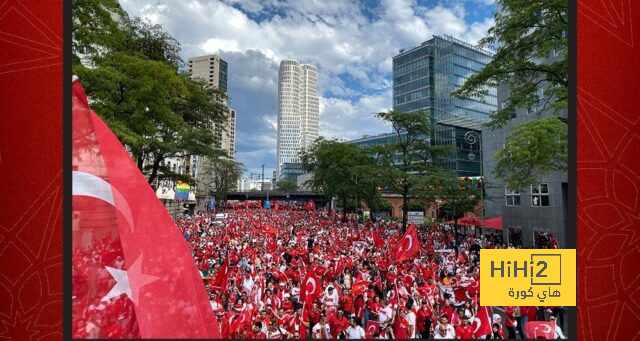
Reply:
x=298 y=110
x=213 y=70
x=423 y=79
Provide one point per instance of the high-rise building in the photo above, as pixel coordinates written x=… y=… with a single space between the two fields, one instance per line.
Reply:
x=298 y=111
x=424 y=78
x=213 y=70
x=540 y=209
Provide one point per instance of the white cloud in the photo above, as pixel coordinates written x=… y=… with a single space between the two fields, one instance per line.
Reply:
x=337 y=37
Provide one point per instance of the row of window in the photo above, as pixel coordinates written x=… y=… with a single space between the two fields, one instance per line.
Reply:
x=424 y=72
x=411 y=56
x=420 y=83
x=411 y=66
x=539 y=196
x=468 y=63
x=410 y=96
x=423 y=104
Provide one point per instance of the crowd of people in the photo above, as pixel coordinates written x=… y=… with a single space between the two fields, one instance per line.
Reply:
x=297 y=273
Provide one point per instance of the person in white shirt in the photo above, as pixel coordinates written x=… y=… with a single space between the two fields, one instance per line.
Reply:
x=442 y=333
x=331 y=297
x=558 y=331
x=411 y=320
x=321 y=330
x=385 y=313
x=354 y=331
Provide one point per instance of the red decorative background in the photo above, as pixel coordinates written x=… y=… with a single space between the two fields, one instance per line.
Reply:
x=31 y=163
x=30 y=169
x=608 y=170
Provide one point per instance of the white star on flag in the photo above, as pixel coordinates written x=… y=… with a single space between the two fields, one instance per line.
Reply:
x=123 y=285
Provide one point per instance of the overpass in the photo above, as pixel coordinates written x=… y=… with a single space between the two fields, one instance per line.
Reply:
x=299 y=196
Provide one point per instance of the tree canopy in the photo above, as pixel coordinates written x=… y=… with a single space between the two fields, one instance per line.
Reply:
x=134 y=83
x=405 y=162
x=531 y=60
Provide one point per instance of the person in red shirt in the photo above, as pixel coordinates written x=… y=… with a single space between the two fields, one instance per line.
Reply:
x=80 y=332
x=447 y=309
x=464 y=331
x=256 y=332
x=338 y=323
x=347 y=302
x=423 y=319
x=401 y=325
x=510 y=321
x=314 y=314
x=223 y=325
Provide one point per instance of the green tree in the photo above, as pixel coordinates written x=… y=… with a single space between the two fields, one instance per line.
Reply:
x=95 y=27
x=287 y=185
x=154 y=110
x=338 y=169
x=221 y=175
x=406 y=161
x=531 y=41
x=459 y=195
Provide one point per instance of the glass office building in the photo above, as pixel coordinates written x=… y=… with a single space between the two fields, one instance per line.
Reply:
x=423 y=79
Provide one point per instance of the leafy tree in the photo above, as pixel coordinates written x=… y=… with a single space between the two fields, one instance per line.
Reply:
x=95 y=26
x=155 y=111
x=460 y=195
x=542 y=142
x=338 y=168
x=531 y=41
x=221 y=175
x=406 y=161
x=287 y=185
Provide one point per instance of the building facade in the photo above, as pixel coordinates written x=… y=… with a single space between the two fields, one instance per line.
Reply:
x=424 y=78
x=298 y=111
x=529 y=216
x=214 y=71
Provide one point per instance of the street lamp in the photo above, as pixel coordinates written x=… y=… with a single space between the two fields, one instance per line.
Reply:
x=471 y=137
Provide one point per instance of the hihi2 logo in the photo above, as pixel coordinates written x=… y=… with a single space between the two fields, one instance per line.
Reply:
x=528 y=277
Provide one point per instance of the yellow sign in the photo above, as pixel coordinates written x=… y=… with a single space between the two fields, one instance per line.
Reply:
x=531 y=277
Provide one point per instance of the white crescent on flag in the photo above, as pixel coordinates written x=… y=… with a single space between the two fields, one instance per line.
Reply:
x=86 y=184
x=547 y=328
x=477 y=319
x=410 y=239
x=311 y=281
x=371 y=329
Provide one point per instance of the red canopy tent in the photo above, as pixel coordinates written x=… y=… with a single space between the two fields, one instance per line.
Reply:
x=469 y=221
x=494 y=223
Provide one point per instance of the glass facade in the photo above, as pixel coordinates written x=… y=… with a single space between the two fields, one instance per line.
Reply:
x=222 y=80
x=423 y=80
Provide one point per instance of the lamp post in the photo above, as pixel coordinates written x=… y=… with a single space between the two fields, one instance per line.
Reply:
x=471 y=137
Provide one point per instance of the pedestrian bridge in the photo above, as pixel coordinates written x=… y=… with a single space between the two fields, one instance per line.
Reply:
x=300 y=196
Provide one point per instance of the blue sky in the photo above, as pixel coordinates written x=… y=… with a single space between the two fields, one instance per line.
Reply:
x=351 y=42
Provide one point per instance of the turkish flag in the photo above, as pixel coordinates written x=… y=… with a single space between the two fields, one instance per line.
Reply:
x=242 y=321
x=409 y=244
x=311 y=288
x=372 y=328
x=310 y=205
x=221 y=280
x=482 y=322
x=359 y=287
x=538 y=329
x=377 y=241
x=116 y=206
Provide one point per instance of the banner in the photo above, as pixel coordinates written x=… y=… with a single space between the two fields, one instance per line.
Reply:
x=182 y=191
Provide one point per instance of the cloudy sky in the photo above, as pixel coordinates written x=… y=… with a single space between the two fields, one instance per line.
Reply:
x=351 y=42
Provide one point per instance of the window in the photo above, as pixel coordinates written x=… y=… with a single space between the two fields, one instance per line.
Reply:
x=540 y=195
x=512 y=197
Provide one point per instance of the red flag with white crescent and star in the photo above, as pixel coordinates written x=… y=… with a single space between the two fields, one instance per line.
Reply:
x=311 y=287
x=540 y=329
x=372 y=328
x=152 y=288
x=409 y=245
x=482 y=322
